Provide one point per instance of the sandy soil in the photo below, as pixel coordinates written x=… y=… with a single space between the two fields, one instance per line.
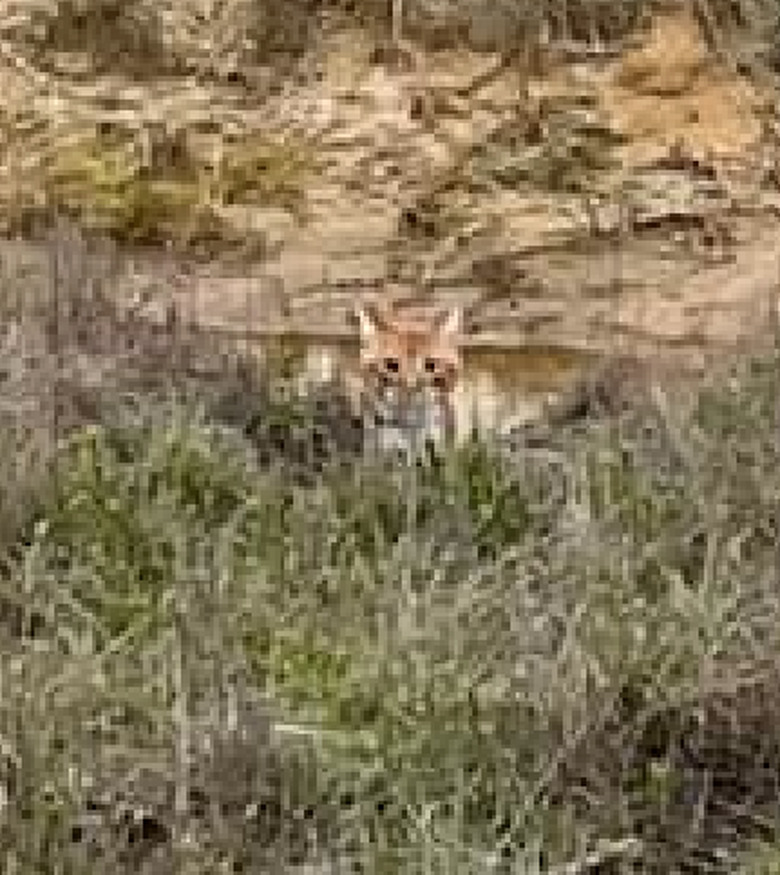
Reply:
x=668 y=242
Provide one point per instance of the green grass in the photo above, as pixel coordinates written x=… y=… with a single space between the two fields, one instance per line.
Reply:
x=496 y=658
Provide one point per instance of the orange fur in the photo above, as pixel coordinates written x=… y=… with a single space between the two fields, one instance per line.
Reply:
x=409 y=368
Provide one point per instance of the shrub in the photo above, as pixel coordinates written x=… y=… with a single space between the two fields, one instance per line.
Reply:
x=501 y=658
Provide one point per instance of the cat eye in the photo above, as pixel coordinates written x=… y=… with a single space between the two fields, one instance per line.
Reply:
x=391 y=364
x=430 y=365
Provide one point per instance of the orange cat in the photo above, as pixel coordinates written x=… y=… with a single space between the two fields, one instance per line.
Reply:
x=409 y=368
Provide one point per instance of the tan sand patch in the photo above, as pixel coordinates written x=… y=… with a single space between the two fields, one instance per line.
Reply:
x=674 y=90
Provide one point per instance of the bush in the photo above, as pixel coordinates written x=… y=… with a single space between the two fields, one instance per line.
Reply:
x=494 y=658
x=500 y=659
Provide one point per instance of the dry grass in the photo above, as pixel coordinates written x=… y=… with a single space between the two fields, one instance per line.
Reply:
x=123 y=117
x=500 y=660
x=231 y=643
x=73 y=351
x=154 y=184
x=99 y=90
x=504 y=26
x=143 y=40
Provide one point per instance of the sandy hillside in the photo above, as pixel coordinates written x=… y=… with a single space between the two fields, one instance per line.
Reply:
x=599 y=202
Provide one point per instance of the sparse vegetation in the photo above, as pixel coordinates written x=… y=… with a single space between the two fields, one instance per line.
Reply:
x=233 y=643
x=142 y=40
x=154 y=186
x=507 y=26
x=76 y=73
x=82 y=135
x=496 y=661
x=567 y=149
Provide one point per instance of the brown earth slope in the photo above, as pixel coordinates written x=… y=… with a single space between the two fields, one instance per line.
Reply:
x=616 y=202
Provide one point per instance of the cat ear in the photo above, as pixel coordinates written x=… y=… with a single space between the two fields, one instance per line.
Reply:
x=450 y=323
x=369 y=320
